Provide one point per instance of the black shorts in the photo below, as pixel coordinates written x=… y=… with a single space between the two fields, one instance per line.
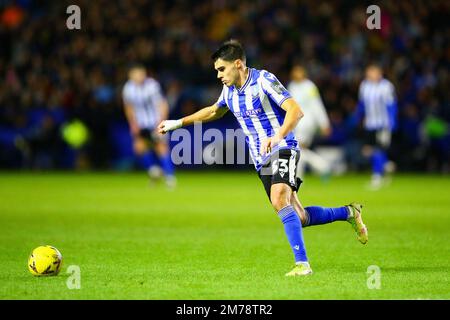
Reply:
x=281 y=168
x=378 y=138
x=150 y=136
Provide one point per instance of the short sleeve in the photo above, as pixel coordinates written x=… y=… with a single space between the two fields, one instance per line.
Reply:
x=390 y=94
x=360 y=91
x=273 y=88
x=221 y=101
x=157 y=93
x=126 y=94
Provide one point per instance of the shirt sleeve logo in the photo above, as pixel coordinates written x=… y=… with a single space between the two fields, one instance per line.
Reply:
x=274 y=83
x=277 y=87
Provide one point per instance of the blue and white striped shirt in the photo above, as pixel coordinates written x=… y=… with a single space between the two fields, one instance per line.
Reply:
x=257 y=107
x=145 y=100
x=377 y=104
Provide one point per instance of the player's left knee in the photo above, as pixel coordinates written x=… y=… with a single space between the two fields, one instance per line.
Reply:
x=279 y=198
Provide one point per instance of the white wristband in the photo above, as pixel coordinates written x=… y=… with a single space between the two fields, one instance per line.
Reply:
x=172 y=125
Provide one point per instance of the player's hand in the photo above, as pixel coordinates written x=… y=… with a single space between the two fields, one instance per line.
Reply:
x=270 y=143
x=168 y=125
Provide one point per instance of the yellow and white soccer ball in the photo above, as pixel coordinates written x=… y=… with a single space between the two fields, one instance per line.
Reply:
x=45 y=261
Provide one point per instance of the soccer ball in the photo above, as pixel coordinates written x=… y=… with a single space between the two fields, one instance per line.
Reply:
x=45 y=261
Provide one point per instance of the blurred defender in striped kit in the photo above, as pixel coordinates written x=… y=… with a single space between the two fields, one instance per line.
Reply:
x=315 y=121
x=377 y=109
x=145 y=107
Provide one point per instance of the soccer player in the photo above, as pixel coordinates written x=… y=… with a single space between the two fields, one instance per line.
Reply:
x=377 y=109
x=268 y=115
x=145 y=107
x=315 y=120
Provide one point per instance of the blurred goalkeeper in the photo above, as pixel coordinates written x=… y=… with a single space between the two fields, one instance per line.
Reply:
x=315 y=120
x=268 y=115
x=145 y=107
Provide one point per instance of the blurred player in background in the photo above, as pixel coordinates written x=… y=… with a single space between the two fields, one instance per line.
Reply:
x=145 y=107
x=268 y=115
x=315 y=120
x=377 y=110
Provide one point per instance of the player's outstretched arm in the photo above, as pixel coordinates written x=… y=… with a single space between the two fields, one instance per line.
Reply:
x=207 y=114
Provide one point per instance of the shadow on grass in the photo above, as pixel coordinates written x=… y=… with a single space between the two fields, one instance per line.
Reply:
x=415 y=269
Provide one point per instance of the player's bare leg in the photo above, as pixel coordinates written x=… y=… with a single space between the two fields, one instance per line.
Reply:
x=316 y=162
x=139 y=146
x=295 y=201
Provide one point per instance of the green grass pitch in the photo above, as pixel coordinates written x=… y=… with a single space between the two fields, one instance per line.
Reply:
x=216 y=237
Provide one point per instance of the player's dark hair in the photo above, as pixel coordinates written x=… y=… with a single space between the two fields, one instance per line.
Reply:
x=298 y=65
x=229 y=51
x=136 y=65
x=374 y=65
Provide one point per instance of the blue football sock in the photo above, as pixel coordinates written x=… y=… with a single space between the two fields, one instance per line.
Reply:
x=167 y=165
x=379 y=160
x=320 y=215
x=146 y=160
x=293 y=229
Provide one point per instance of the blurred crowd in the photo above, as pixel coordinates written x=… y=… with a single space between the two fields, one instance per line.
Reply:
x=52 y=76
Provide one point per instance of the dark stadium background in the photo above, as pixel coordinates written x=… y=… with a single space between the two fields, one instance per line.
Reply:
x=51 y=76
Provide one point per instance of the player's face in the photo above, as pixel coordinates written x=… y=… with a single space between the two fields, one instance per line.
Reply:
x=298 y=73
x=138 y=75
x=373 y=74
x=227 y=71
